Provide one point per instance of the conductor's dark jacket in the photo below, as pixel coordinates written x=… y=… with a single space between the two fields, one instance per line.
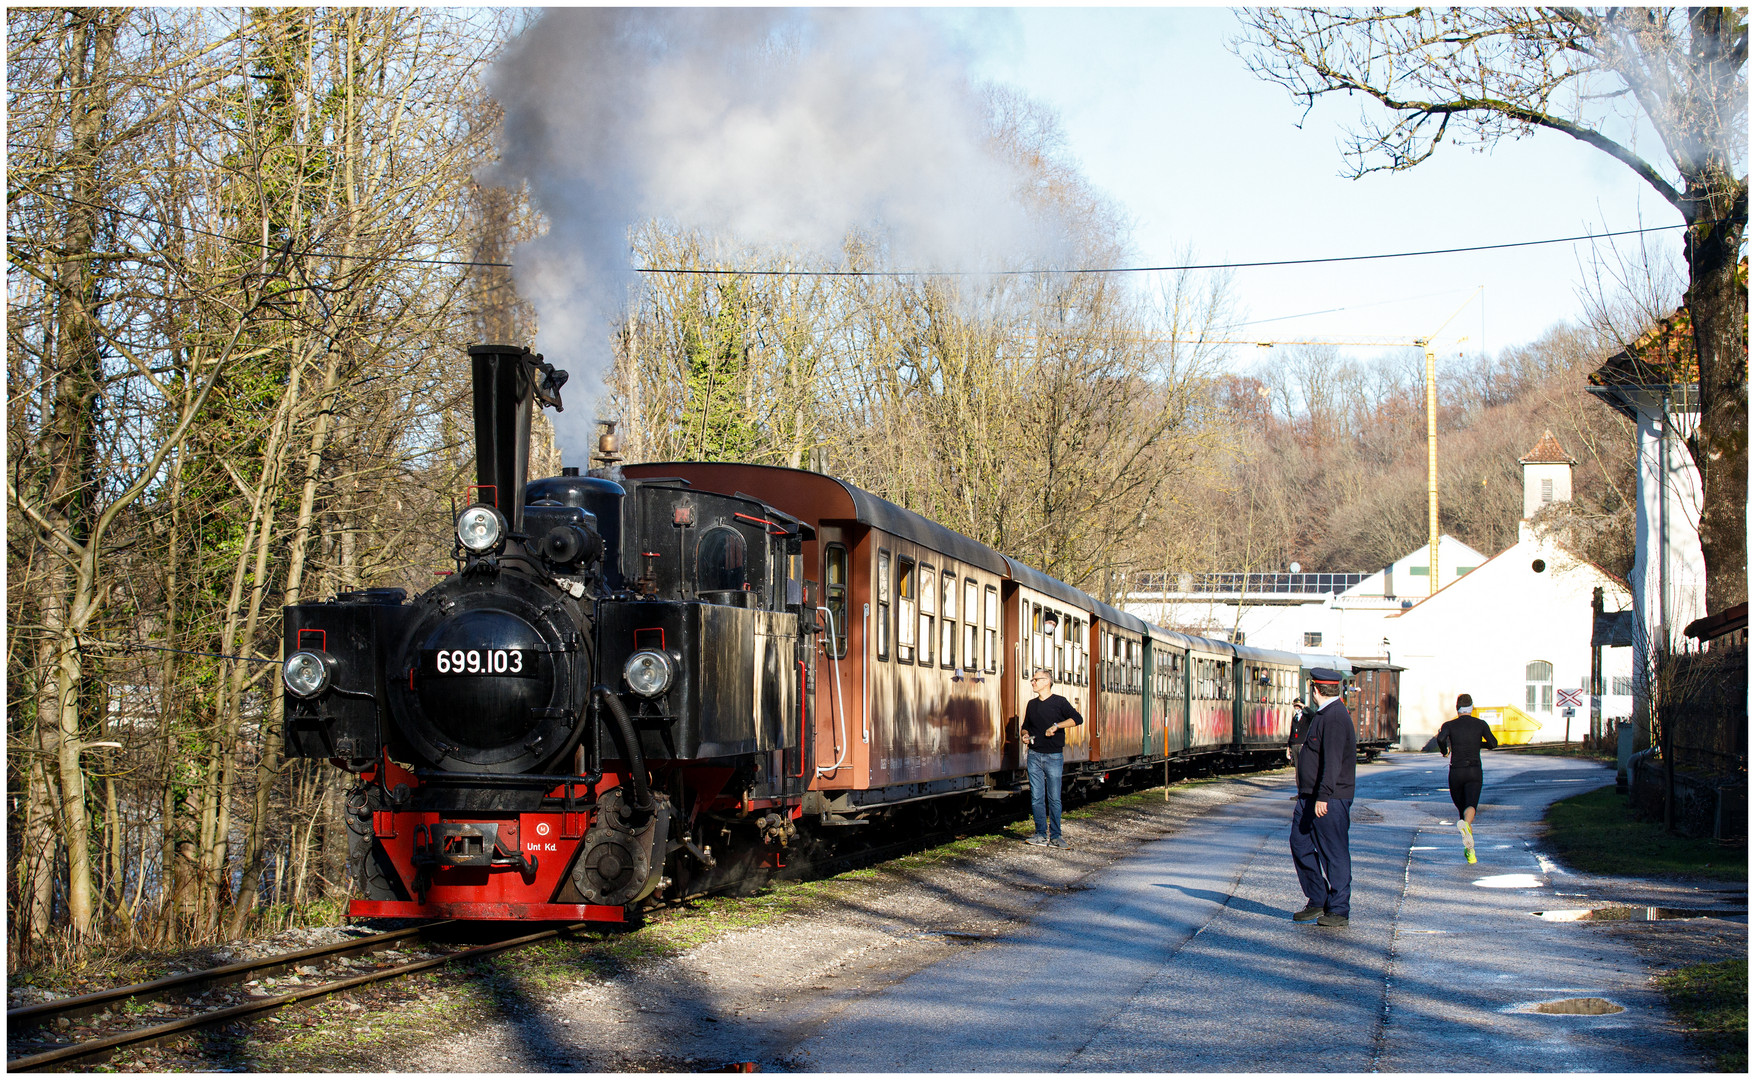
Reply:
x=1328 y=754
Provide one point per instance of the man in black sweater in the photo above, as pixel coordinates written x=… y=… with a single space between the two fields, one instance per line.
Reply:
x=1463 y=739
x=1327 y=761
x=1046 y=719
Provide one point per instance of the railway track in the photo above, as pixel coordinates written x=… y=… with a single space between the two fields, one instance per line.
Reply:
x=195 y=1001
x=186 y=1003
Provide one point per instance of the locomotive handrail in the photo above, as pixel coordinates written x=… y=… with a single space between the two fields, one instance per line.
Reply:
x=542 y=780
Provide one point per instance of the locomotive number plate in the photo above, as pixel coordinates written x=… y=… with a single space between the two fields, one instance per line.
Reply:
x=514 y=663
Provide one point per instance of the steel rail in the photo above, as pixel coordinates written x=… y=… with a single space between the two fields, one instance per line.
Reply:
x=105 y=1046
x=92 y=1003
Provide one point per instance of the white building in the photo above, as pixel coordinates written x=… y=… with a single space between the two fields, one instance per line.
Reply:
x=1516 y=631
x=1331 y=613
x=1511 y=630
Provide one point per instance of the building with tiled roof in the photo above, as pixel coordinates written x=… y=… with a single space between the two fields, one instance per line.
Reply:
x=1547 y=470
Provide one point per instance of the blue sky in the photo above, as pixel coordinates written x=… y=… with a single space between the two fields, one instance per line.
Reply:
x=1199 y=152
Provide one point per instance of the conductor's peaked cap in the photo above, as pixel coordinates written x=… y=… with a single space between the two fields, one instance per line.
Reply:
x=1324 y=675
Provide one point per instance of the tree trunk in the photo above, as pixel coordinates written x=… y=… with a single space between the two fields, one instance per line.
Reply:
x=1718 y=306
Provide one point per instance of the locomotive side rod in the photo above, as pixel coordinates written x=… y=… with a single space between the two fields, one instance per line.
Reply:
x=103 y=1048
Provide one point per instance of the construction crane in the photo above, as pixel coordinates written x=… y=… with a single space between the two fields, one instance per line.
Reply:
x=1424 y=344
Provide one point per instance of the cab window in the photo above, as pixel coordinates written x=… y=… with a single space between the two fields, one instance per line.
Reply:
x=720 y=564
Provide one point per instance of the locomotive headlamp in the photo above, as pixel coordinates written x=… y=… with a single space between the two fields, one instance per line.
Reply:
x=649 y=673
x=306 y=673
x=480 y=527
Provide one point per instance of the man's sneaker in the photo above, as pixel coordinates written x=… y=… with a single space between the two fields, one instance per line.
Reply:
x=1332 y=920
x=1307 y=913
x=1469 y=854
x=1059 y=843
x=1039 y=841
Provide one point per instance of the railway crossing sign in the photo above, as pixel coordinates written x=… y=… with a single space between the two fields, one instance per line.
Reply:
x=1569 y=698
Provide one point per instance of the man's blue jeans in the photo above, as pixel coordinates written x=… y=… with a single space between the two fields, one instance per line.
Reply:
x=1045 y=770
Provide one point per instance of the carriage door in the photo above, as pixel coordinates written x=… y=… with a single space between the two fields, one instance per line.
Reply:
x=837 y=664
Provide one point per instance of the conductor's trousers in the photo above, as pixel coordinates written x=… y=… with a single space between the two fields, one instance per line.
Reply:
x=1319 y=851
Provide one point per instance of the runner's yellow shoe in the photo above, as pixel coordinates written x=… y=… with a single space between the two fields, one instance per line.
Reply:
x=1469 y=853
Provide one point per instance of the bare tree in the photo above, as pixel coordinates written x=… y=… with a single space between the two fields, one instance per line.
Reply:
x=1480 y=74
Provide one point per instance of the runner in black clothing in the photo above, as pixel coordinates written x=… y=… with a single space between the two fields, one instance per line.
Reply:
x=1462 y=739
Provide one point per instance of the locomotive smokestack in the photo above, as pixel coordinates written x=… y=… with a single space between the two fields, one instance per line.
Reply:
x=503 y=389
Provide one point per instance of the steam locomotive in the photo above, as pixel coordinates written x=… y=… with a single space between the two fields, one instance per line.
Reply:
x=632 y=667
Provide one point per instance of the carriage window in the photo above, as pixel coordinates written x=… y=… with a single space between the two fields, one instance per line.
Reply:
x=928 y=611
x=1035 y=639
x=992 y=625
x=721 y=561
x=947 y=629
x=835 y=590
x=1223 y=678
x=971 y=615
x=883 y=605
x=906 y=597
x=1057 y=645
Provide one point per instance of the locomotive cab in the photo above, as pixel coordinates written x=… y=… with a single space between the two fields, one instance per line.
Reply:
x=705 y=645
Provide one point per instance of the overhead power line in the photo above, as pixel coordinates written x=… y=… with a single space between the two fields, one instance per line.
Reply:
x=719 y=272
x=1161 y=269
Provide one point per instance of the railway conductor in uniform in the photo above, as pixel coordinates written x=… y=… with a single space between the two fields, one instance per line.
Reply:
x=1326 y=765
x=1046 y=719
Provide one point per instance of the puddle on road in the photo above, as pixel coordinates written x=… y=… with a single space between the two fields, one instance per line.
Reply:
x=1620 y=913
x=1509 y=881
x=1584 y=1006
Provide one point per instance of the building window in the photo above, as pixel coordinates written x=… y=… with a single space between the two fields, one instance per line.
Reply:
x=1461 y=570
x=1538 y=686
x=1417 y=571
x=1621 y=686
x=1548 y=490
x=1313 y=640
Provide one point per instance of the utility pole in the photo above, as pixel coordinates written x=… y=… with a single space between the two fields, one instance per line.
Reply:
x=1431 y=464
x=1425 y=344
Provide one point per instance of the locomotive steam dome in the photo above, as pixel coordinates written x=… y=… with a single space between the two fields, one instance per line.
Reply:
x=488 y=679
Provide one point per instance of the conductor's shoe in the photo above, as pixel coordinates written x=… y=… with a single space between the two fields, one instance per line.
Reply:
x=1306 y=914
x=1039 y=841
x=1332 y=920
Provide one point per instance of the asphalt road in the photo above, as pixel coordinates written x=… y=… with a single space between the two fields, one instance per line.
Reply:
x=1184 y=957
